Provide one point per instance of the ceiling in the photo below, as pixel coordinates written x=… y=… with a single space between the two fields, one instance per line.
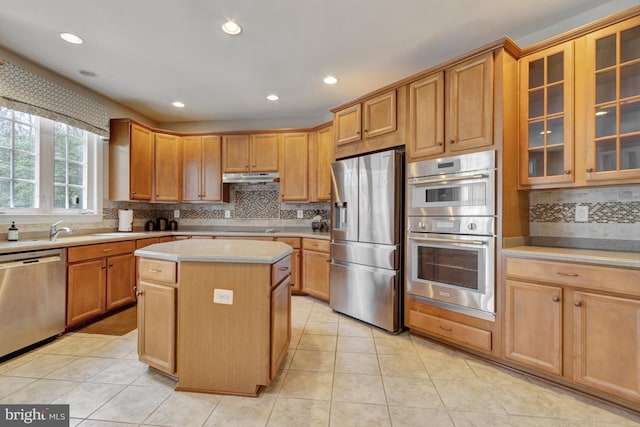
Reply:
x=147 y=54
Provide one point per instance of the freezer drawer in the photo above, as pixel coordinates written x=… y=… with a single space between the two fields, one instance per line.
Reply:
x=372 y=295
x=380 y=256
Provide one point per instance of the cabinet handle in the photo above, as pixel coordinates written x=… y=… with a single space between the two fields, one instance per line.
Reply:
x=577 y=303
x=327 y=260
x=560 y=273
x=283 y=268
x=153 y=270
x=446 y=329
x=555 y=298
x=567 y=171
x=452 y=141
x=589 y=170
x=107 y=249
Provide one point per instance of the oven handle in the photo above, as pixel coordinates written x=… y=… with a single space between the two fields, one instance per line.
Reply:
x=446 y=178
x=442 y=240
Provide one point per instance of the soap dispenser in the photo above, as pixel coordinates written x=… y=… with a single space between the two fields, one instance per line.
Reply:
x=12 y=235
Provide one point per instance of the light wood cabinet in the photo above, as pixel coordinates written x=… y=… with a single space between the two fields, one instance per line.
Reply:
x=294 y=164
x=131 y=157
x=315 y=267
x=348 y=125
x=373 y=117
x=250 y=153
x=426 y=117
x=235 y=153
x=296 y=278
x=280 y=324
x=100 y=278
x=320 y=159
x=168 y=168
x=202 y=169
x=157 y=311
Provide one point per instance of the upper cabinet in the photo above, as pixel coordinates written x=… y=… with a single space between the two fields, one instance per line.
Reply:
x=426 y=117
x=320 y=159
x=250 y=153
x=294 y=162
x=130 y=161
x=202 y=168
x=168 y=168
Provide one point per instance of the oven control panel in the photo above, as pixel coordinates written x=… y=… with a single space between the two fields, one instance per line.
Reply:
x=481 y=226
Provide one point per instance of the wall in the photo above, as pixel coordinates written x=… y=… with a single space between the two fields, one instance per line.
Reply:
x=613 y=221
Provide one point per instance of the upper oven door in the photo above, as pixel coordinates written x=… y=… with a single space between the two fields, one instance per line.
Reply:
x=471 y=193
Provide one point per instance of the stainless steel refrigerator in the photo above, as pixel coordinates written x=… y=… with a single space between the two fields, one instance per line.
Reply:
x=366 y=238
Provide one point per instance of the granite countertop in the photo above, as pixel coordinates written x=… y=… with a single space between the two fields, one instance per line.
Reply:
x=217 y=250
x=591 y=256
x=67 y=240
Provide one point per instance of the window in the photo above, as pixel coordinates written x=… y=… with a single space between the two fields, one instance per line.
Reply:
x=47 y=167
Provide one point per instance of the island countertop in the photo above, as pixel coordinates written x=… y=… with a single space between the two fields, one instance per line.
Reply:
x=217 y=250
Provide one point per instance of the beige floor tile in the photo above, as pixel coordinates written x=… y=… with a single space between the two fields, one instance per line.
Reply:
x=17 y=361
x=276 y=384
x=295 y=339
x=132 y=405
x=357 y=363
x=125 y=372
x=77 y=345
x=479 y=419
x=81 y=369
x=286 y=363
x=494 y=373
x=413 y=417
x=98 y=423
x=10 y=385
x=41 y=391
x=411 y=392
x=402 y=365
x=448 y=368
x=358 y=389
x=311 y=360
x=184 y=409
x=292 y=412
x=394 y=345
x=116 y=349
x=432 y=349
x=346 y=414
x=356 y=345
x=87 y=397
x=525 y=399
x=152 y=378
x=352 y=328
x=73 y=422
x=41 y=366
x=321 y=328
x=133 y=335
x=234 y=411
x=307 y=385
x=317 y=342
x=468 y=394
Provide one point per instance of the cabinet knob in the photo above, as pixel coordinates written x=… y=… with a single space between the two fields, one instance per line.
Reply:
x=133 y=192
x=366 y=130
x=555 y=298
x=589 y=170
x=567 y=171
x=577 y=303
x=138 y=293
x=439 y=143
x=358 y=132
x=103 y=266
x=452 y=141
x=110 y=265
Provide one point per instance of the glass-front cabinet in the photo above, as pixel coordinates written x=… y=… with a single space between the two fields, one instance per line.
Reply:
x=612 y=103
x=546 y=116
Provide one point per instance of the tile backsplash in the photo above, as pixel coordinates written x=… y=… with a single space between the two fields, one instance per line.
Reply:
x=612 y=220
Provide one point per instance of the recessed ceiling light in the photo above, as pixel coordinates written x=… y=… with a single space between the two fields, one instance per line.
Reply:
x=330 y=80
x=71 y=38
x=273 y=97
x=178 y=104
x=231 y=27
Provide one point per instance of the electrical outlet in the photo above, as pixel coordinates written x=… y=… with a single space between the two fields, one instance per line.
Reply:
x=299 y=214
x=227 y=213
x=223 y=296
x=582 y=213
x=176 y=213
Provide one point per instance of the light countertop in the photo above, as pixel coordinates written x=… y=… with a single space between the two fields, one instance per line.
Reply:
x=217 y=250
x=591 y=256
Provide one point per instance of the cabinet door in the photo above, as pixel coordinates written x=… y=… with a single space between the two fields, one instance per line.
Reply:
x=264 y=153
x=322 y=156
x=141 y=163
x=347 y=125
x=280 y=324
x=192 y=168
x=606 y=344
x=379 y=115
x=426 y=117
x=157 y=326
x=235 y=153
x=315 y=272
x=546 y=116
x=533 y=325
x=120 y=281
x=294 y=148
x=470 y=103
x=211 y=189
x=168 y=170
x=86 y=290
x=612 y=112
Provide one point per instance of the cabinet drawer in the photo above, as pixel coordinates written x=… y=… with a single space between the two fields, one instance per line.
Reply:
x=316 y=245
x=155 y=270
x=280 y=270
x=463 y=334
x=294 y=242
x=80 y=253
x=596 y=277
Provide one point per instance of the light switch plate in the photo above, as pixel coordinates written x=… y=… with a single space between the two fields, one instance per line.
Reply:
x=227 y=213
x=299 y=214
x=582 y=213
x=223 y=296
x=176 y=213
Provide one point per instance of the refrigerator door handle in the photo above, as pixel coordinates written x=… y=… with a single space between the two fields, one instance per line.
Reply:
x=342 y=212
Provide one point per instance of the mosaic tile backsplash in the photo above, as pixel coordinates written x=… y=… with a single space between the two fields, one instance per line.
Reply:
x=612 y=220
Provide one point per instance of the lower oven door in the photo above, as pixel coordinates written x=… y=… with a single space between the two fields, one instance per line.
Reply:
x=457 y=270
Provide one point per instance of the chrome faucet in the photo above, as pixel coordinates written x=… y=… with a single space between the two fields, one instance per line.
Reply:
x=54 y=231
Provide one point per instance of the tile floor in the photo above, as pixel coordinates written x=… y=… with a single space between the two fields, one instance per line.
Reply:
x=338 y=372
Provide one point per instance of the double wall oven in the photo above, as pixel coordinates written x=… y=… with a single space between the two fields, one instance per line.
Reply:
x=451 y=236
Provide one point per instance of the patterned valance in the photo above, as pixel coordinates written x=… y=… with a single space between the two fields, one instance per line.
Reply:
x=24 y=91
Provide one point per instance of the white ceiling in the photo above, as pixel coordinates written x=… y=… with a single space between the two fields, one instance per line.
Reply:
x=148 y=53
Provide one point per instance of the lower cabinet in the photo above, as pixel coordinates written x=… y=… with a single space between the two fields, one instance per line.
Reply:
x=280 y=324
x=100 y=278
x=294 y=242
x=315 y=267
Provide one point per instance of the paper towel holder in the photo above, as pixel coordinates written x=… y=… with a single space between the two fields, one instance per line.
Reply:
x=125 y=220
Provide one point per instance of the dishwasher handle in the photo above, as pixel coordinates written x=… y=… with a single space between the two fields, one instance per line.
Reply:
x=28 y=262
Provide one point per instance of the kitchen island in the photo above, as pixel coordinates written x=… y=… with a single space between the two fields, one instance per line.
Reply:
x=215 y=314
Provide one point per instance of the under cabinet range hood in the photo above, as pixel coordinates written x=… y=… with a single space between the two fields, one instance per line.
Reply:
x=250 y=177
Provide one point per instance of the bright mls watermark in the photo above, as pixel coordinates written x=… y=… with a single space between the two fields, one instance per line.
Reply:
x=34 y=415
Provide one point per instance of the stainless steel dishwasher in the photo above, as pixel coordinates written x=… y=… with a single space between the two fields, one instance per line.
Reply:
x=32 y=297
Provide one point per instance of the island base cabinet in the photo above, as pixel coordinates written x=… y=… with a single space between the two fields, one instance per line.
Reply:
x=280 y=324
x=157 y=326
